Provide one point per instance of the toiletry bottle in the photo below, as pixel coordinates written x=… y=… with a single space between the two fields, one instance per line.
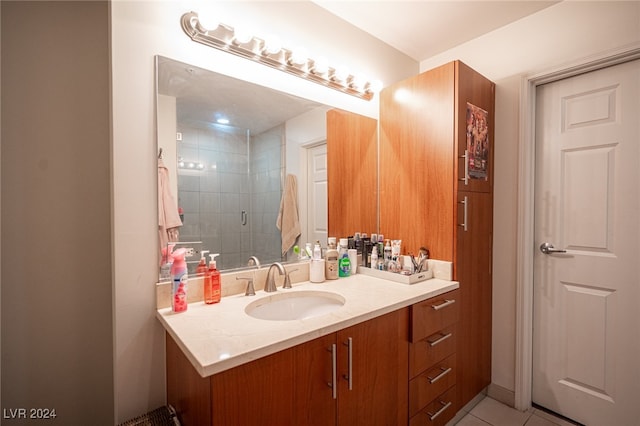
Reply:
x=387 y=254
x=374 y=258
x=344 y=264
x=331 y=260
x=317 y=251
x=179 y=281
x=201 y=270
x=212 y=282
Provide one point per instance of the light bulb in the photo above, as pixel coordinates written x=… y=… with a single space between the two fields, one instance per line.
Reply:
x=341 y=73
x=207 y=22
x=242 y=36
x=320 y=65
x=358 y=82
x=272 y=45
x=299 y=57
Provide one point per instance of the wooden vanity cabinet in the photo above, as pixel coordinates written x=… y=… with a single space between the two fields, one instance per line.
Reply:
x=296 y=386
x=433 y=363
x=377 y=391
x=445 y=199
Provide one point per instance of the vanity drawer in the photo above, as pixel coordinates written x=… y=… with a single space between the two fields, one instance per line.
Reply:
x=427 y=352
x=438 y=412
x=434 y=314
x=433 y=382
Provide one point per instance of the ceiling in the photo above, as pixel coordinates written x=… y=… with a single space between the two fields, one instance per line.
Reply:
x=424 y=28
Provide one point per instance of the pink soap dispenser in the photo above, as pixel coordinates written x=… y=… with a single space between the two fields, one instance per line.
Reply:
x=212 y=290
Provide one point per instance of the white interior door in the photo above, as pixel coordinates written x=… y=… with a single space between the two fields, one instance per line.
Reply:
x=586 y=338
x=317 y=210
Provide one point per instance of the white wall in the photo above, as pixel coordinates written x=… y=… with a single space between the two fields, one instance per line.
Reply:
x=140 y=30
x=57 y=331
x=562 y=34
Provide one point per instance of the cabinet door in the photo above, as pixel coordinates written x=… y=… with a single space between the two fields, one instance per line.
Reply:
x=187 y=391
x=257 y=393
x=374 y=390
x=473 y=271
x=314 y=395
x=352 y=156
x=417 y=162
x=474 y=130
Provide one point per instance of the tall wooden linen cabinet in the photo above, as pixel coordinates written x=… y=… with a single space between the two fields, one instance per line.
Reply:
x=436 y=190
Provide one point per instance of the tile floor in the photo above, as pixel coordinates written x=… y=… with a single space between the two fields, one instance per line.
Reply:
x=490 y=412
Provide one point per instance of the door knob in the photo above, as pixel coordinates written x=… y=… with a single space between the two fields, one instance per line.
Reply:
x=547 y=248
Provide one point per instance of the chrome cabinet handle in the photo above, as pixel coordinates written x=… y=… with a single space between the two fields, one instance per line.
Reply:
x=243 y=217
x=445 y=405
x=465 y=179
x=441 y=339
x=444 y=372
x=334 y=371
x=464 y=203
x=349 y=376
x=547 y=248
x=446 y=303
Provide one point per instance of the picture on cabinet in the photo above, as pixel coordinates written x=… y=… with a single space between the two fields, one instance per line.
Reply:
x=477 y=142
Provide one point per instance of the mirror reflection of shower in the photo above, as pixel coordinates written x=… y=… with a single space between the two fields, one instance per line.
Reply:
x=229 y=189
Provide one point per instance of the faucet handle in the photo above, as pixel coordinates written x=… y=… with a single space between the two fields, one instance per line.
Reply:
x=250 y=290
x=287 y=279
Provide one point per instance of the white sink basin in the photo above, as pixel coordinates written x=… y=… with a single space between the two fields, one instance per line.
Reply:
x=294 y=305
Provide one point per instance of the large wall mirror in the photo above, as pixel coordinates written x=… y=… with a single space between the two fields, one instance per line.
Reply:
x=228 y=145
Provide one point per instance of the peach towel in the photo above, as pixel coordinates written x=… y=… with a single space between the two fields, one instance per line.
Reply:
x=288 y=221
x=168 y=217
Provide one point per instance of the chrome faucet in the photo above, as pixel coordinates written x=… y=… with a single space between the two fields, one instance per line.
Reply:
x=270 y=283
x=253 y=261
x=250 y=291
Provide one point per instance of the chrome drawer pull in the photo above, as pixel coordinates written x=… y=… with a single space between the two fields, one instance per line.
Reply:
x=334 y=370
x=445 y=371
x=442 y=338
x=446 y=303
x=349 y=375
x=465 y=179
x=465 y=204
x=445 y=405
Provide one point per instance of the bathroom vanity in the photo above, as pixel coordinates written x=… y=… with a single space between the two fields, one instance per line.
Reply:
x=363 y=363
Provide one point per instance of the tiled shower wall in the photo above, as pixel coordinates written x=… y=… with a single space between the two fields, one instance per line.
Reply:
x=239 y=173
x=266 y=172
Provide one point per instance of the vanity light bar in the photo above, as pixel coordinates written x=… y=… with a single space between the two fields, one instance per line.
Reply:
x=270 y=53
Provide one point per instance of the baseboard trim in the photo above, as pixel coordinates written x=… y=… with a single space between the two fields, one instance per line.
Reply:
x=467 y=408
x=501 y=394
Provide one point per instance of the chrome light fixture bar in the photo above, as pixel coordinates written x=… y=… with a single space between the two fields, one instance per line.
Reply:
x=270 y=53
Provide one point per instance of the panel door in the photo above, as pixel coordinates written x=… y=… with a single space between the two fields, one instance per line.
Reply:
x=586 y=300
x=373 y=386
x=317 y=194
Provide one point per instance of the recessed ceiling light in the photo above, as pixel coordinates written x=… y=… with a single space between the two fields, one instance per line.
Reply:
x=222 y=121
